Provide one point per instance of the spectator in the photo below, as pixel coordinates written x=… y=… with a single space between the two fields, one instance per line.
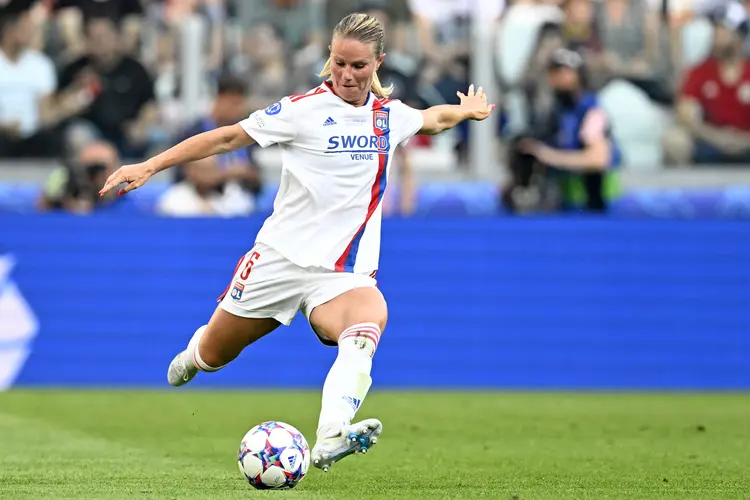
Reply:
x=75 y=186
x=71 y=16
x=116 y=94
x=529 y=102
x=166 y=22
x=27 y=80
x=300 y=24
x=518 y=37
x=444 y=28
x=236 y=168
x=579 y=29
x=300 y=21
x=203 y=193
x=264 y=63
x=171 y=15
x=576 y=156
x=630 y=36
x=713 y=109
x=397 y=69
x=529 y=30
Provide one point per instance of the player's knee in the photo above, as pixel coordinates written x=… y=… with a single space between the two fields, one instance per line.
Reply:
x=371 y=309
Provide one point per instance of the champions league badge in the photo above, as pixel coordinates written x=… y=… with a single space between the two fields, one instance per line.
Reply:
x=273 y=109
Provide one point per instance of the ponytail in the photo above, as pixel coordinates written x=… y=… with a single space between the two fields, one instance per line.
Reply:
x=378 y=89
x=326 y=71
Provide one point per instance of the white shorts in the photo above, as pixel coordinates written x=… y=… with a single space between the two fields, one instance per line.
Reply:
x=267 y=285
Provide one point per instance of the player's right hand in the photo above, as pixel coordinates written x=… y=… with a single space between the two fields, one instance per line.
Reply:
x=134 y=175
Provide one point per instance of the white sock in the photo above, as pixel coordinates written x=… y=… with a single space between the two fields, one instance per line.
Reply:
x=349 y=379
x=194 y=352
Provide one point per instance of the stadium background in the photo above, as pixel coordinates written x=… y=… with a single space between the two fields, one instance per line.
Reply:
x=652 y=295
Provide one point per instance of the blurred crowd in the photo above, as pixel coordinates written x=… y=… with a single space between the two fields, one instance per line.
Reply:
x=92 y=82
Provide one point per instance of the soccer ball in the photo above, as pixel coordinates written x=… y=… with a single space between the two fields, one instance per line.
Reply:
x=274 y=455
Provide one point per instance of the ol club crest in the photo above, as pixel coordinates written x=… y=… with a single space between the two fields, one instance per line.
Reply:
x=381 y=120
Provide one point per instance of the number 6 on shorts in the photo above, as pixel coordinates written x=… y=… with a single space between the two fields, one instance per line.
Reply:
x=249 y=265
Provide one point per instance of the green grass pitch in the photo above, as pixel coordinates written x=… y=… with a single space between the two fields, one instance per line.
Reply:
x=182 y=444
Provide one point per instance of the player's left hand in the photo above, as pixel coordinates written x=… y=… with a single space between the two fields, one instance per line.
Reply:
x=475 y=103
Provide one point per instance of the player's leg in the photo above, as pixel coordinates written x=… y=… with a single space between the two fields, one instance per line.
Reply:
x=263 y=294
x=354 y=321
x=214 y=345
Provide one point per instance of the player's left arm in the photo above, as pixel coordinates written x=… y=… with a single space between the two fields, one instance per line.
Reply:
x=595 y=155
x=473 y=106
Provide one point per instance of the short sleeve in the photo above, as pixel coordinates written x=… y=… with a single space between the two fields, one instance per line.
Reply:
x=273 y=125
x=405 y=121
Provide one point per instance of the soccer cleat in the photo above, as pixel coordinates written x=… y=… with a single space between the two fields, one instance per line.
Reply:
x=354 y=438
x=181 y=370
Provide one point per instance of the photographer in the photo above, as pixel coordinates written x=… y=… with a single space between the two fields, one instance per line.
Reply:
x=571 y=159
x=74 y=187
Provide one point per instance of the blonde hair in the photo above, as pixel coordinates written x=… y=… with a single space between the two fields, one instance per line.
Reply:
x=365 y=29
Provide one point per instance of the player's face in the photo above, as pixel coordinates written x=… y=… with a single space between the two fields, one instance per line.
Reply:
x=353 y=65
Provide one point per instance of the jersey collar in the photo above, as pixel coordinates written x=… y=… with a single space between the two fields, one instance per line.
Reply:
x=329 y=87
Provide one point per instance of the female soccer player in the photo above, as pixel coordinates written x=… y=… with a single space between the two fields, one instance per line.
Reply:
x=318 y=251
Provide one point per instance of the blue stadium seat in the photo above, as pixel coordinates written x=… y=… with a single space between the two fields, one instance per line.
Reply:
x=18 y=197
x=467 y=199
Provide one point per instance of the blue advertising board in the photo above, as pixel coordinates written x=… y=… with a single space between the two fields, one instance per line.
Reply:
x=457 y=199
x=484 y=303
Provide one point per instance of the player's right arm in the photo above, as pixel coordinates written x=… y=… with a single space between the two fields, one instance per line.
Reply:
x=213 y=142
x=274 y=125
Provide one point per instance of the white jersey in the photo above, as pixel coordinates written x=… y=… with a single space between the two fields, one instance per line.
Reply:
x=335 y=164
